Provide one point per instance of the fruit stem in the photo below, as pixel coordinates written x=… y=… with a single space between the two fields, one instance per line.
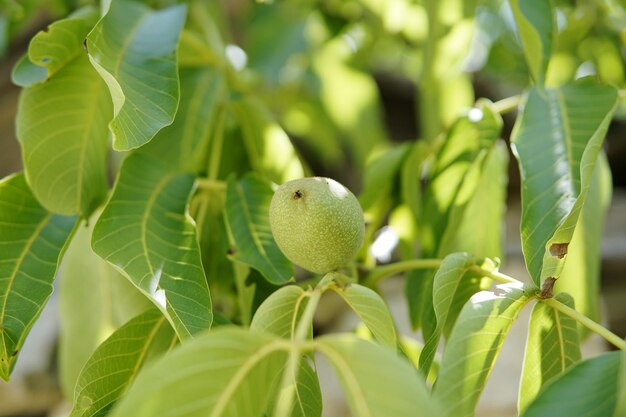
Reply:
x=587 y=322
x=385 y=271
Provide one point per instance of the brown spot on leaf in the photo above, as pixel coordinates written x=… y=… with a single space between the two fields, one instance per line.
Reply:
x=15 y=352
x=547 y=288
x=231 y=251
x=559 y=249
x=85 y=45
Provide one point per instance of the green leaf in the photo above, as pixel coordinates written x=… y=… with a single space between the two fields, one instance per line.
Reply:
x=94 y=300
x=473 y=347
x=51 y=49
x=307 y=394
x=227 y=372
x=588 y=389
x=372 y=310
x=184 y=144
x=269 y=148
x=552 y=347
x=280 y=312
x=247 y=215
x=535 y=24
x=62 y=41
x=25 y=73
x=461 y=174
x=476 y=225
x=380 y=175
x=61 y=126
x=620 y=408
x=557 y=139
x=581 y=272
x=115 y=364
x=134 y=50
x=146 y=232
x=376 y=381
x=32 y=243
x=456 y=175
x=449 y=284
x=411 y=176
x=350 y=99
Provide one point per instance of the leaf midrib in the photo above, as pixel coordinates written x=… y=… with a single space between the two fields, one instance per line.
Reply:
x=241 y=374
x=42 y=223
x=351 y=381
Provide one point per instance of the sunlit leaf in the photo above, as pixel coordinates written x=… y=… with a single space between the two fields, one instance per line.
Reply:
x=269 y=148
x=94 y=300
x=184 y=145
x=227 y=372
x=473 y=347
x=380 y=175
x=581 y=273
x=586 y=389
x=61 y=123
x=62 y=41
x=464 y=168
x=552 y=347
x=32 y=243
x=557 y=139
x=280 y=312
x=51 y=49
x=351 y=99
x=247 y=214
x=449 y=283
x=133 y=48
x=534 y=21
x=146 y=232
x=478 y=226
x=372 y=310
x=376 y=381
x=115 y=364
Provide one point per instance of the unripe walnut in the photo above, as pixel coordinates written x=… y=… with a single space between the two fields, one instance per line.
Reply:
x=317 y=223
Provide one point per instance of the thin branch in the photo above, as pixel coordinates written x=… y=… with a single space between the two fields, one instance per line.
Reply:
x=507 y=104
x=382 y=272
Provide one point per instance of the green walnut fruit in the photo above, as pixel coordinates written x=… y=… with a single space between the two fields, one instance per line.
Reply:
x=317 y=223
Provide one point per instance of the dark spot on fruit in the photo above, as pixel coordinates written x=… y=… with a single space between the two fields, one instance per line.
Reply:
x=559 y=249
x=297 y=195
x=547 y=288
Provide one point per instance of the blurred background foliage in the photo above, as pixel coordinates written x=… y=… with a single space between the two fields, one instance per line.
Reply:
x=355 y=83
x=349 y=78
